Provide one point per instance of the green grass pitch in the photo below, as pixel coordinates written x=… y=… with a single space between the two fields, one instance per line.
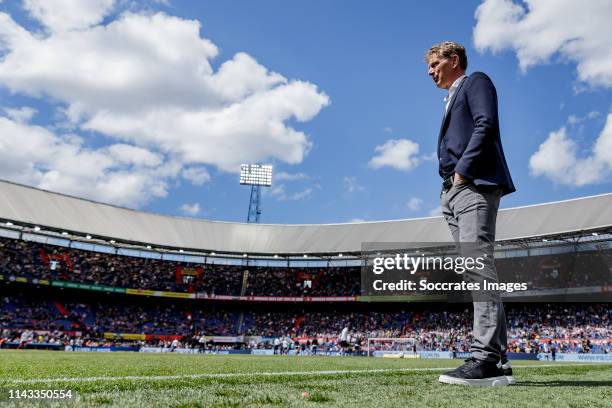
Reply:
x=173 y=380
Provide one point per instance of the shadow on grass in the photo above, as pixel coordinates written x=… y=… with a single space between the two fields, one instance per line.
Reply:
x=556 y=383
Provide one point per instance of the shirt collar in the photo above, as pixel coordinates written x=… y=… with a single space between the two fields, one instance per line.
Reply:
x=453 y=88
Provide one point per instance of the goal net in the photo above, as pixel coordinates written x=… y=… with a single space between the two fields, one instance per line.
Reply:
x=392 y=347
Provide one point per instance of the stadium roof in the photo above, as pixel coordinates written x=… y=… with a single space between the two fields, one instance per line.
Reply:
x=30 y=206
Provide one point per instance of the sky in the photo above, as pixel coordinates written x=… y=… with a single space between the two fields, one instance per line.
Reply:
x=153 y=105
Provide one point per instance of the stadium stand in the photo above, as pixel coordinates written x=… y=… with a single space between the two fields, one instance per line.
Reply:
x=570 y=327
x=51 y=262
x=40 y=261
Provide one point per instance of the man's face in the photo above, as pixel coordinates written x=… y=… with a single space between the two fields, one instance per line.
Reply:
x=443 y=70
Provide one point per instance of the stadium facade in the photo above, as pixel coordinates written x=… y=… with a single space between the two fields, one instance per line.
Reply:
x=52 y=212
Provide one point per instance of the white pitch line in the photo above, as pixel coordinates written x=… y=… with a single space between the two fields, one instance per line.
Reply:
x=260 y=373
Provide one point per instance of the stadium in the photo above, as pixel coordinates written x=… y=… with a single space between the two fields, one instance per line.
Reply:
x=124 y=307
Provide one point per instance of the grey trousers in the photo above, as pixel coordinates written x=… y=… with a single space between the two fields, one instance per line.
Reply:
x=471 y=214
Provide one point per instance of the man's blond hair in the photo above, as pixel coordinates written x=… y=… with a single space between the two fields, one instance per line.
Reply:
x=446 y=49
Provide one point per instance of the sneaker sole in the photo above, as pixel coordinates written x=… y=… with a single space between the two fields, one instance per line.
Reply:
x=511 y=379
x=480 y=382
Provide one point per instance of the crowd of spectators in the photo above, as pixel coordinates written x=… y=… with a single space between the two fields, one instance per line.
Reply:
x=567 y=327
x=278 y=281
x=42 y=261
x=531 y=328
x=563 y=270
x=97 y=318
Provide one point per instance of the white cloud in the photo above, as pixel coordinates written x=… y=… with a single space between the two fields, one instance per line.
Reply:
x=593 y=115
x=21 y=115
x=275 y=191
x=63 y=15
x=129 y=154
x=280 y=193
x=574 y=120
x=557 y=158
x=578 y=31
x=301 y=194
x=435 y=212
x=118 y=174
x=414 y=204
x=242 y=76
x=146 y=81
x=400 y=154
x=190 y=209
x=355 y=220
x=198 y=176
x=282 y=176
x=351 y=185
x=388 y=129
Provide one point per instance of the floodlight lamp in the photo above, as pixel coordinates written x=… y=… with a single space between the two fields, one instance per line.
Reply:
x=256 y=174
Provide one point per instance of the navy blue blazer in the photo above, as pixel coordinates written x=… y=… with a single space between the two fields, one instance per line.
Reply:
x=469 y=142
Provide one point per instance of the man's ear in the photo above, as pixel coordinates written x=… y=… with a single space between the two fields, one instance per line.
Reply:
x=455 y=59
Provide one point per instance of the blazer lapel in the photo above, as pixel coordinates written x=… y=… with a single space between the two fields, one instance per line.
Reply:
x=450 y=106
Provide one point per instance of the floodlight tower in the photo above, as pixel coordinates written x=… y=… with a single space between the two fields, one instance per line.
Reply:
x=256 y=176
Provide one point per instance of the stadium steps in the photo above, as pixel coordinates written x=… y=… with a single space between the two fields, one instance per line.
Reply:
x=245 y=282
x=239 y=323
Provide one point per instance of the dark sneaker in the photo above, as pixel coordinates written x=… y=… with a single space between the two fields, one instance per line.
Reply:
x=476 y=373
x=506 y=368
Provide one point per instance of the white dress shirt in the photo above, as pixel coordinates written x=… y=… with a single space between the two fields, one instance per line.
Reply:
x=452 y=90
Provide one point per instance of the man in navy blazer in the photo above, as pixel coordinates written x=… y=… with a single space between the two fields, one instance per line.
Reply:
x=475 y=176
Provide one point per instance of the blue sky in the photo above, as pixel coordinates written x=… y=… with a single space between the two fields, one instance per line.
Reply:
x=153 y=104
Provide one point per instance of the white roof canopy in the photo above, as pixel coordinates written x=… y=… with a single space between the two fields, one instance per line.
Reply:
x=27 y=205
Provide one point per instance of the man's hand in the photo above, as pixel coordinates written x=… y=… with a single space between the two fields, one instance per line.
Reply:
x=458 y=179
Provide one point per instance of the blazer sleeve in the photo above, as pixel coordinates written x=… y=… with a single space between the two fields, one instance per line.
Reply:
x=482 y=101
